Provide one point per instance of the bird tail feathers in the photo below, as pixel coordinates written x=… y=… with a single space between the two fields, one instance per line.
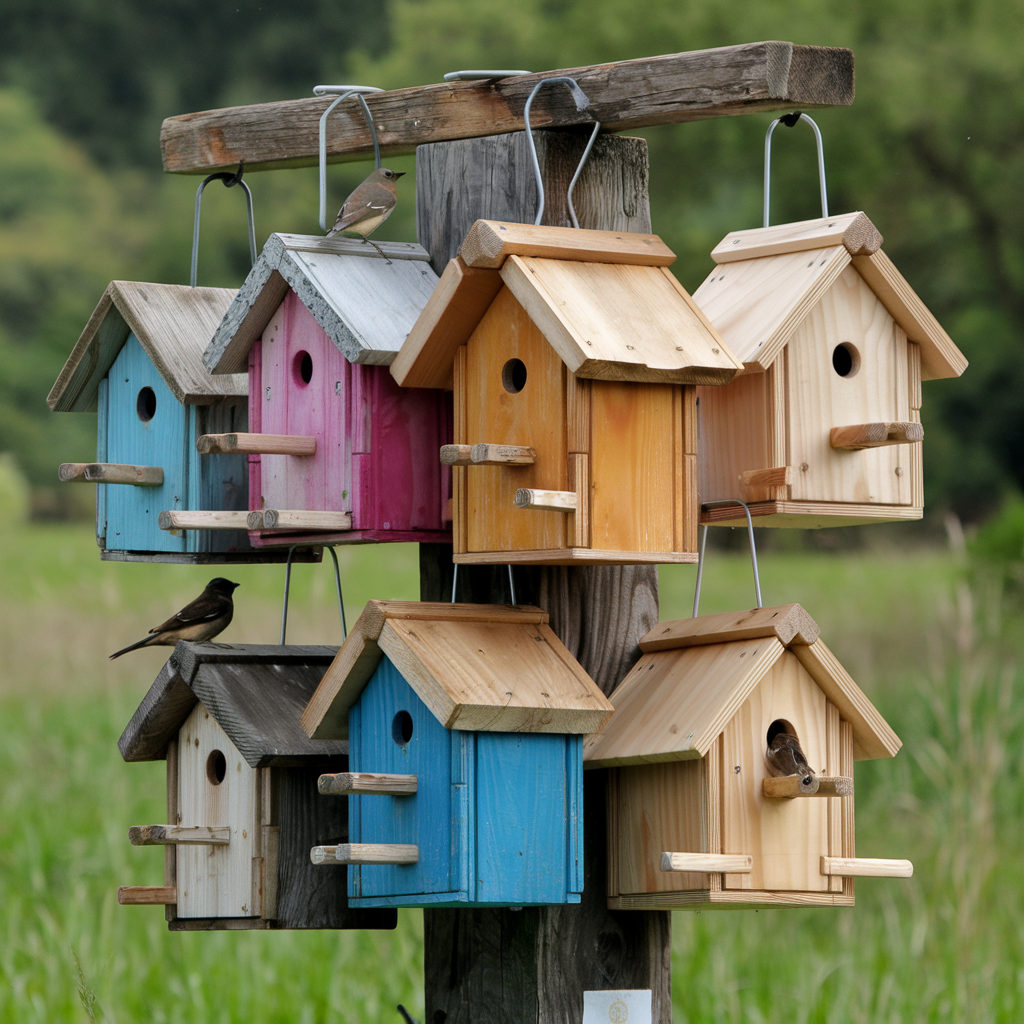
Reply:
x=144 y=642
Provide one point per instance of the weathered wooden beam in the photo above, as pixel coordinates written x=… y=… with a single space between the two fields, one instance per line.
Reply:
x=866 y=867
x=174 y=835
x=109 y=473
x=716 y=863
x=380 y=784
x=623 y=96
x=255 y=444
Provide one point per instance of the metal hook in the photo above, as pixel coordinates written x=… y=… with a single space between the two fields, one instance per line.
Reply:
x=287 y=590
x=229 y=180
x=343 y=92
x=789 y=120
x=581 y=101
x=704 y=539
x=511 y=583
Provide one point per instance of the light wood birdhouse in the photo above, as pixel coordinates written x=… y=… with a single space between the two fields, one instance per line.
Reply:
x=696 y=817
x=823 y=426
x=574 y=357
x=242 y=803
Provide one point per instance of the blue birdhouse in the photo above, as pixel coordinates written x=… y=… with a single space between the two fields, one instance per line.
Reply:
x=465 y=726
x=139 y=366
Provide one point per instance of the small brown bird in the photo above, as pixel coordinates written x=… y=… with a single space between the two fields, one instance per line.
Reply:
x=202 y=619
x=369 y=205
x=785 y=757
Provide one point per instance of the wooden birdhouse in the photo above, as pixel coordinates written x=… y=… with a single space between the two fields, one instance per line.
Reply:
x=573 y=356
x=138 y=364
x=335 y=447
x=465 y=726
x=242 y=803
x=697 y=814
x=823 y=427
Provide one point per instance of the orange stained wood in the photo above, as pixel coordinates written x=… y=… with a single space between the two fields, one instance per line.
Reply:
x=632 y=466
x=786 y=838
x=534 y=416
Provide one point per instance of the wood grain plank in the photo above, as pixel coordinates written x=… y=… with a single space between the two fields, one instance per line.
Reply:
x=576 y=556
x=789 y=623
x=255 y=444
x=106 y=473
x=203 y=520
x=811 y=515
x=852 y=230
x=866 y=867
x=833 y=725
x=155 y=724
x=146 y=895
x=345 y=783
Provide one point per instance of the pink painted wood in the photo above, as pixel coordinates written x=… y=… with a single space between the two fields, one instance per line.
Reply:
x=377 y=443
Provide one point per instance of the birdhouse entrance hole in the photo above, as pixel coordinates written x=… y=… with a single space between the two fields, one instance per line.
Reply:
x=401 y=728
x=145 y=404
x=845 y=359
x=302 y=368
x=216 y=767
x=513 y=376
x=780 y=725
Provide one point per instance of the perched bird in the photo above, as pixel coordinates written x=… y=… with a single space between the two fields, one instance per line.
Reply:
x=369 y=205
x=202 y=619
x=785 y=757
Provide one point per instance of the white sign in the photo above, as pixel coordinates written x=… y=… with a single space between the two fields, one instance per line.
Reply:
x=626 y=1006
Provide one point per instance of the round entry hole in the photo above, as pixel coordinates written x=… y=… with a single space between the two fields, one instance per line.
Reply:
x=513 y=376
x=145 y=404
x=303 y=368
x=401 y=728
x=845 y=360
x=216 y=767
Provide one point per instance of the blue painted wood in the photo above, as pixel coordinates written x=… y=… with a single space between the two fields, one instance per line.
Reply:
x=132 y=512
x=101 y=456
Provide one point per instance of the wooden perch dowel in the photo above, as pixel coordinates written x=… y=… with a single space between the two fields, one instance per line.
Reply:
x=147 y=895
x=299 y=519
x=548 y=501
x=866 y=867
x=875 y=435
x=203 y=520
x=488 y=455
x=789 y=786
x=255 y=444
x=456 y=455
x=345 y=783
x=766 y=484
x=365 y=853
x=175 y=835
x=716 y=863
x=108 y=473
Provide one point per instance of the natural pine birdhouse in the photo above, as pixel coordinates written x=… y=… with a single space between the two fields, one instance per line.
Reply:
x=337 y=451
x=242 y=803
x=574 y=357
x=698 y=812
x=823 y=427
x=139 y=366
x=465 y=726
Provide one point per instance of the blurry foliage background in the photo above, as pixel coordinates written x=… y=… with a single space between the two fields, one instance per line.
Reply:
x=932 y=150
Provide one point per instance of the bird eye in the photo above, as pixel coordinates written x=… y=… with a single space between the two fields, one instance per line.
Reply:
x=389 y=174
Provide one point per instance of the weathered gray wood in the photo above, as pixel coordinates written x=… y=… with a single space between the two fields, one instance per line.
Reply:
x=532 y=966
x=168 y=702
x=109 y=473
x=625 y=95
x=340 y=282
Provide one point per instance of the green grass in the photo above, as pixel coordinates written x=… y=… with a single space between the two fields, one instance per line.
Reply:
x=938 y=658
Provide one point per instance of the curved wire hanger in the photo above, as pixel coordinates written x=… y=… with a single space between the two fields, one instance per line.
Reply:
x=342 y=92
x=703 y=543
x=581 y=101
x=229 y=180
x=790 y=120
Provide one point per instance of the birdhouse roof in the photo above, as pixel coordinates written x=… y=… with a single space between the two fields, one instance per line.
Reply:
x=605 y=301
x=479 y=667
x=256 y=694
x=174 y=324
x=767 y=280
x=695 y=674
x=365 y=304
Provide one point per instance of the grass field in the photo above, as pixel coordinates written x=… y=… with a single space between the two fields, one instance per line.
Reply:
x=934 y=648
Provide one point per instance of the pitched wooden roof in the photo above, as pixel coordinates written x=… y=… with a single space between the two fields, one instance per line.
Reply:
x=767 y=280
x=696 y=673
x=365 y=304
x=480 y=667
x=605 y=301
x=173 y=323
x=256 y=693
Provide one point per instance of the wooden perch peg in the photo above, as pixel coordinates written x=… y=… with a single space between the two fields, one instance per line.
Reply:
x=766 y=484
x=866 y=867
x=716 y=863
x=789 y=786
x=203 y=520
x=875 y=435
x=487 y=455
x=255 y=444
x=108 y=473
x=547 y=501
x=346 y=783
x=147 y=895
x=365 y=853
x=175 y=835
x=298 y=519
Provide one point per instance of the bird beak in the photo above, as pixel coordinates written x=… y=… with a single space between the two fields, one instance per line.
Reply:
x=398 y=174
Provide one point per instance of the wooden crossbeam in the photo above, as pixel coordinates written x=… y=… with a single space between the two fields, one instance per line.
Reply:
x=624 y=95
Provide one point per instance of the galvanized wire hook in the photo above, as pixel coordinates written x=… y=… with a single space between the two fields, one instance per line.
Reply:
x=789 y=120
x=703 y=542
x=229 y=180
x=287 y=590
x=342 y=92
x=511 y=583
x=581 y=101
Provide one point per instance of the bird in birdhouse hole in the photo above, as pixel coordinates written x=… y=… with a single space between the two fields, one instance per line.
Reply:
x=201 y=619
x=785 y=757
x=369 y=205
